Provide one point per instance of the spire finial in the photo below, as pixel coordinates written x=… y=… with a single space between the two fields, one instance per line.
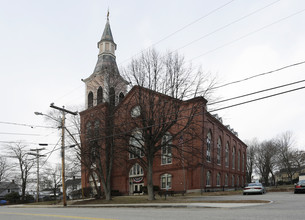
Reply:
x=108 y=14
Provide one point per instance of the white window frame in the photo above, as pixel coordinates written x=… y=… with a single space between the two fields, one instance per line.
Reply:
x=208 y=178
x=166 y=150
x=209 y=146
x=233 y=157
x=166 y=181
x=227 y=161
x=136 y=170
x=218 y=179
x=219 y=151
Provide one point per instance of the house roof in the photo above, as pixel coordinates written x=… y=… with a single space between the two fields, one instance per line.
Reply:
x=73 y=182
x=8 y=185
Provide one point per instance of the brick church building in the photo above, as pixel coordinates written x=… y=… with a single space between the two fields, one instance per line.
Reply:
x=215 y=158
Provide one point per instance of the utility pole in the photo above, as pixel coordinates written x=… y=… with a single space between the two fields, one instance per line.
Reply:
x=64 y=111
x=37 y=156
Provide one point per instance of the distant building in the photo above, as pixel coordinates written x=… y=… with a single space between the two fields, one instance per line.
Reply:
x=8 y=187
x=74 y=187
x=220 y=165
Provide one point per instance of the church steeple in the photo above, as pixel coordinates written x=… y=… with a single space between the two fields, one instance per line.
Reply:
x=105 y=84
x=106 y=44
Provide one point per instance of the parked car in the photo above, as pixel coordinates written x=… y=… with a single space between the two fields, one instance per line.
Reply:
x=3 y=202
x=252 y=188
x=299 y=187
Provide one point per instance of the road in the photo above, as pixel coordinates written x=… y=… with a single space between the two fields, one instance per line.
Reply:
x=285 y=205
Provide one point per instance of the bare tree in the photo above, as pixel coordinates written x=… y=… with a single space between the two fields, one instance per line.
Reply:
x=19 y=152
x=161 y=83
x=287 y=154
x=4 y=167
x=251 y=151
x=266 y=160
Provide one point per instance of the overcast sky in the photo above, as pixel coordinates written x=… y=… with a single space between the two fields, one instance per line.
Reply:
x=47 y=47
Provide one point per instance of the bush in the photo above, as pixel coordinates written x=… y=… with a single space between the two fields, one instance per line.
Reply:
x=156 y=189
x=12 y=197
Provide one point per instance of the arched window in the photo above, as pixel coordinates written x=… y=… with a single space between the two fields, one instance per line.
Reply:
x=136 y=145
x=90 y=99
x=136 y=170
x=233 y=158
x=112 y=96
x=219 y=151
x=121 y=97
x=209 y=140
x=166 y=150
x=226 y=180
x=243 y=163
x=227 y=155
x=99 y=95
x=88 y=131
x=208 y=180
x=166 y=181
x=97 y=128
x=218 y=179
x=238 y=160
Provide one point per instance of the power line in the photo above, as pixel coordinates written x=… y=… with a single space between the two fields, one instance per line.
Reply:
x=19 y=134
x=25 y=125
x=253 y=93
x=253 y=100
x=247 y=35
x=227 y=25
x=258 y=75
x=180 y=29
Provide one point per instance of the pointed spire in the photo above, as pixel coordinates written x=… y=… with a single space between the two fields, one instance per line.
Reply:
x=107 y=34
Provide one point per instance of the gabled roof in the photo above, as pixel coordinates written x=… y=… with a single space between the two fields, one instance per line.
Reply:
x=8 y=185
x=73 y=182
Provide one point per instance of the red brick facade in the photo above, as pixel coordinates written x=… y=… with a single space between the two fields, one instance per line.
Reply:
x=225 y=149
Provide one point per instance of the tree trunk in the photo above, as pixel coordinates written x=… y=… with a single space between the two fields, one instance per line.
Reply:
x=150 y=185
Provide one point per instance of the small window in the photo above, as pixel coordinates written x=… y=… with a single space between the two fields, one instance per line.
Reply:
x=90 y=99
x=219 y=151
x=218 y=179
x=243 y=163
x=136 y=145
x=208 y=180
x=238 y=161
x=166 y=150
x=227 y=155
x=121 y=97
x=166 y=181
x=209 y=138
x=233 y=158
x=136 y=111
x=99 y=95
